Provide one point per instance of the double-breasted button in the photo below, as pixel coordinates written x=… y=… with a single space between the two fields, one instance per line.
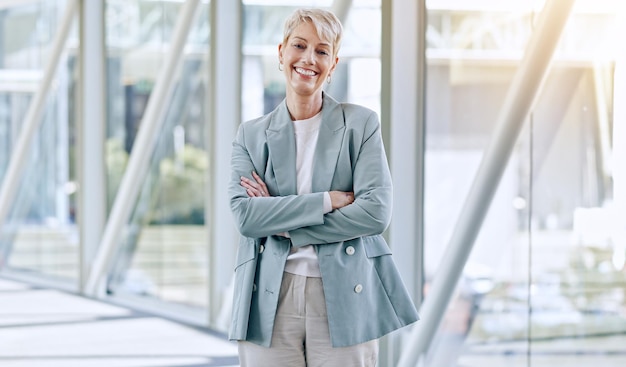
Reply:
x=358 y=288
x=350 y=250
x=261 y=249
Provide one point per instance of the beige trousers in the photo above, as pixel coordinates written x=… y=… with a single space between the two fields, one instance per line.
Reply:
x=301 y=337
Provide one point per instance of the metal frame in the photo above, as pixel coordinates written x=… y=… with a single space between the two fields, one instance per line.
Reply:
x=225 y=115
x=517 y=104
x=341 y=8
x=403 y=87
x=619 y=127
x=406 y=100
x=140 y=155
x=92 y=201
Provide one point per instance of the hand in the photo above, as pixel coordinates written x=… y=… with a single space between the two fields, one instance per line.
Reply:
x=256 y=188
x=339 y=199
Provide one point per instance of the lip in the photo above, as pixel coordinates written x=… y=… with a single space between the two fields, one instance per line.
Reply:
x=314 y=73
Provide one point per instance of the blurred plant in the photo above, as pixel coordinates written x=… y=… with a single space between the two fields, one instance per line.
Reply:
x=116 y=161
x=179 y=191
x=182 y=185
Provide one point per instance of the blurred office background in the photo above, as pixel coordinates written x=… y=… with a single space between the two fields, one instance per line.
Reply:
x=116 y=119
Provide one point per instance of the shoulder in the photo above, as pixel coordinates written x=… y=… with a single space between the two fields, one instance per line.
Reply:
x=259 y=123
x=355 y=111
x=255 y=129
x=360 y=118
x=276 y=120
x=353 y=114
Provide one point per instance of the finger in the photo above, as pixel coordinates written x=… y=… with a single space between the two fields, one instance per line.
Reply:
x=246 y=185
x=246 y=182
x=260 y=182
x=264 y=190
x=249 y=181
x=257 y=178
x=264 y=187
x=255 y=191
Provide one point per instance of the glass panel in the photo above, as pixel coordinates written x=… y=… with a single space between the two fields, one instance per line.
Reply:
x=472 y=55
x=40 y=235
x=264 y=85
x=164 y=254
x=544 y=283
x=578 y=249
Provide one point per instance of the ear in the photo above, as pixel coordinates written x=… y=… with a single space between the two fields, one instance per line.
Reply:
x=280 y=53
x=332 y=68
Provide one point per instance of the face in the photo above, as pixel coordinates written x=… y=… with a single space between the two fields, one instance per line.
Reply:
x=307 y=61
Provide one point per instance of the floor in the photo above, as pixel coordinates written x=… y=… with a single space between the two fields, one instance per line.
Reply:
x=42 y=327
x=50 y=328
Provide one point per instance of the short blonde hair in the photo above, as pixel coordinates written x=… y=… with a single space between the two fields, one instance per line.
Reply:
x=325 y=22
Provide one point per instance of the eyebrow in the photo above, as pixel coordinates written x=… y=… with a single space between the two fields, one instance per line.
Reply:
x=319 y=44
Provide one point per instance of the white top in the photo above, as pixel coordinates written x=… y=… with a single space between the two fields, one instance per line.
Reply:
x=303 y=260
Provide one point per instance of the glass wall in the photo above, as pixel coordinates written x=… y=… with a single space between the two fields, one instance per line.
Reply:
x=164 y=253
x=39 y=234
x=544 y=285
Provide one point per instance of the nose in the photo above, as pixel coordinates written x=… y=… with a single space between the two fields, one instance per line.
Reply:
x=309 y=57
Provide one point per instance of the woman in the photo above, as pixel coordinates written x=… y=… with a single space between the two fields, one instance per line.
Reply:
x=311 y=194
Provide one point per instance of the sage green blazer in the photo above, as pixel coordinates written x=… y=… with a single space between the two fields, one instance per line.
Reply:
x=365 y=297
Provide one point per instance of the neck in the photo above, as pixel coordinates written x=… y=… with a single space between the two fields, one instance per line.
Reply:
x=302 y=108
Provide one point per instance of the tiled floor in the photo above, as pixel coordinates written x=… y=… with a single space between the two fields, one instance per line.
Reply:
x=42 y=327
x=49 y=328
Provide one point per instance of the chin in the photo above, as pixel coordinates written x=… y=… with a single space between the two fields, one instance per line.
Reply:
x=305 y=90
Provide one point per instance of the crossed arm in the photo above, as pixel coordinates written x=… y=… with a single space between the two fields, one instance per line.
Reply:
x=366 y=211
x=256 y=188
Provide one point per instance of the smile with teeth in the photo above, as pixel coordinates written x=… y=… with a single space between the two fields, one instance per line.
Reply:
x=305 y=72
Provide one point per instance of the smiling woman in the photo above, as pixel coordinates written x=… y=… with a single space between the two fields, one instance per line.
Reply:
x=310 y=190
x=308 y=57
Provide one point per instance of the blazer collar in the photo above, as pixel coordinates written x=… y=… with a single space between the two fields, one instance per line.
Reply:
x=329 y=144
x=282 y=147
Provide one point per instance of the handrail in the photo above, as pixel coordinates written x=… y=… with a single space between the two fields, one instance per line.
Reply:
x=517 y=104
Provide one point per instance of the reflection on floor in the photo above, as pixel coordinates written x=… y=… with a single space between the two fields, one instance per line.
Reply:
x=49 y=328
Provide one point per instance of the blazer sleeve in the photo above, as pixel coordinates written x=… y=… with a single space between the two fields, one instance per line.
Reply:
x=370 y=213
x=266 y=216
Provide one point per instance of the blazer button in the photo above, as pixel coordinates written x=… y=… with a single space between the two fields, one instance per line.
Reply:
x=350 y=250
x=358 y=288
x=254 y=287
x=261 y=249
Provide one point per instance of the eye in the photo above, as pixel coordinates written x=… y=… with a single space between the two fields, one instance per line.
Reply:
x=323 y=52
x=299 y=46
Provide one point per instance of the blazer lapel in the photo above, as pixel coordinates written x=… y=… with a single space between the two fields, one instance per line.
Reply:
x=328 y=144
x=282 y=150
